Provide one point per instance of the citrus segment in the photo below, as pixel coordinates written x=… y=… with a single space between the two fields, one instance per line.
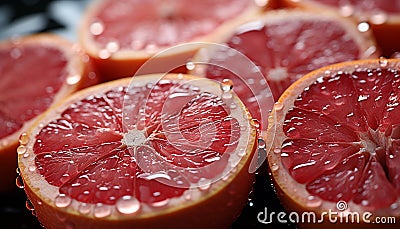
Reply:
x=123 y=35
x=332 y=140
x=285 y=45
x=169 y=148
x=28 y=87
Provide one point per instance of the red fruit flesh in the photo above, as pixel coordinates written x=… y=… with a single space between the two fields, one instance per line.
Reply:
x=19 y=103
x=343 y=137
x=88 y=153
x=176 y=21
x=284 y=50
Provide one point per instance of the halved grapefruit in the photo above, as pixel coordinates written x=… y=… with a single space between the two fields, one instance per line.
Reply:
x=36 y=71
x=284 y=45
x=336 y=142
x=159 y=151
x=382 y=16
x=121 y=35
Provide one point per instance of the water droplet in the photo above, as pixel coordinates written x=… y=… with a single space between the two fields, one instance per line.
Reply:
x=383 y=62
x=277 y=150
x=160 y=203
x=204 y=184
x=104 y=54
x=30 y=207
x=32 y=168
x=313 y=202
x=19 y=182
x=101 y=211
x=364 y=202
x=188 y=196
x=278 y=106
x=233 y=106
x=84 y=208
x=226 y=85
x=346 y=10
x=23 y=139
x=26 y=155
x=96 y=28
x=128 y=205
x=256 y=124
x=363 y=26
x=362 y=97
x=73 y=79
x=151 y=48
x=21 y=149
x=190 y=66
x=62 y=201
x=112 y=46
x=39 y=202
x=274 y=167
x=378 y=18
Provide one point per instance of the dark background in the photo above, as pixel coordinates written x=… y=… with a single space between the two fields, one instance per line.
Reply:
x=19 y=17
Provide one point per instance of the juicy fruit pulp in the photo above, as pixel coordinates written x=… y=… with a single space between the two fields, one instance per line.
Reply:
x=87 y=152
x=176 y=21
x=343 y=140
x=19 y=65
x=284 y=47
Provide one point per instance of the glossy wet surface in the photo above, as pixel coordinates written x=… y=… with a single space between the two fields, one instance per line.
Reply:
x=343 y=137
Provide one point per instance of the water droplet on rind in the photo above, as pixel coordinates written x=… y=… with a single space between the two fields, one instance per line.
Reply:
x=112 y=46
x=84 y=208
x=161 y=203
x=383 y=62
x=226 y=85
x=190 y=66
x=30 y=207
x=21 y=149
x=278 y=106
x=363 y=26
x=96 y=28
x=23 y=139
x=62 y=201
x=314 y=202
x=204 y=184
x=128 y=205
x=277 y=150
x=73 y=79
x=101 y=211
x=19 y=182
x=274 y=167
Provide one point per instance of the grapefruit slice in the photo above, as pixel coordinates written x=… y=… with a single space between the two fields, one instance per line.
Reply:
x=336 y=145
x=155 y=152
x=121 y=35
x=36 y=71
x=382 y=16
x=284 y=45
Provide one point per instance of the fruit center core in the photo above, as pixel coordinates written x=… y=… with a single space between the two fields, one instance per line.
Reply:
x=278 y=74
x=134 y=138
x=375 y=143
